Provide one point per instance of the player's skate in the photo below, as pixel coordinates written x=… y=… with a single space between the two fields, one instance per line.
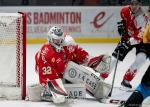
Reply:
x=126 y=83
x=129 y=75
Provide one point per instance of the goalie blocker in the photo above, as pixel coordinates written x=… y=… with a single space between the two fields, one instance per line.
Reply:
x=80 y=74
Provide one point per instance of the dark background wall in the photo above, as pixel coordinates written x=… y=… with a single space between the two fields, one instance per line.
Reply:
x=67 y=2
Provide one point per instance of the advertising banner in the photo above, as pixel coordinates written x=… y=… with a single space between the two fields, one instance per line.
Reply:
x=98 y=22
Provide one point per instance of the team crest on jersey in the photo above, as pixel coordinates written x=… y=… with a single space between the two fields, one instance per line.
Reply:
x=53 y=60
x=71 y=48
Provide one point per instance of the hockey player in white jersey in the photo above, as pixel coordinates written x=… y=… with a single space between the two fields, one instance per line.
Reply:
x=53 y=57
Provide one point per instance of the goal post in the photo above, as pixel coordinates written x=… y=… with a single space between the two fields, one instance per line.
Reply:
x=12 y=55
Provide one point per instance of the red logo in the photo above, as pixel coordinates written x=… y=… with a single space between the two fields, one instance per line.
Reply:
x=97 y=20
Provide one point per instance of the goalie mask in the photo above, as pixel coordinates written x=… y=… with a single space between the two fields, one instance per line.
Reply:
x=56 y=37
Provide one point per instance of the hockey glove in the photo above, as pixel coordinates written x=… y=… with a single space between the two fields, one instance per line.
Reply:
x=121 y=28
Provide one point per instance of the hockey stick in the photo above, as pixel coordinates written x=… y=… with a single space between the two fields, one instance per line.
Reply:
x=114 y=74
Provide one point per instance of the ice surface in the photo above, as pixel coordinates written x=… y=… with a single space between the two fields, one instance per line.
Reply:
x=93 y=49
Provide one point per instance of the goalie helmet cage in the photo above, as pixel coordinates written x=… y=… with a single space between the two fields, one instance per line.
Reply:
x=12 y=56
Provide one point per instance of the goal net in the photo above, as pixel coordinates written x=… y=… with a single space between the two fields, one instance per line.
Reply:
x=12 y=56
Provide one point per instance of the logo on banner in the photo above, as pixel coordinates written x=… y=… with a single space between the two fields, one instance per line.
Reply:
x=97 y=21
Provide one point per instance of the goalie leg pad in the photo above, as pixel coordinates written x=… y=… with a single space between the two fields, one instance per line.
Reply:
x=102 y=91
x=37 y=92
x=76 y=90
x=34 y=92
x=79 y=74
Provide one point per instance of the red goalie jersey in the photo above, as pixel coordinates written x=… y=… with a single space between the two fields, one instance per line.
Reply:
x=50 y=64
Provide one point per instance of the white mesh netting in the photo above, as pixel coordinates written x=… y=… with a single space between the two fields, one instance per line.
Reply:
x=11 y=55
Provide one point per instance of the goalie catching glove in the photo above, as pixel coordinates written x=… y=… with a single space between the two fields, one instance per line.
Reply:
x=100 y=64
